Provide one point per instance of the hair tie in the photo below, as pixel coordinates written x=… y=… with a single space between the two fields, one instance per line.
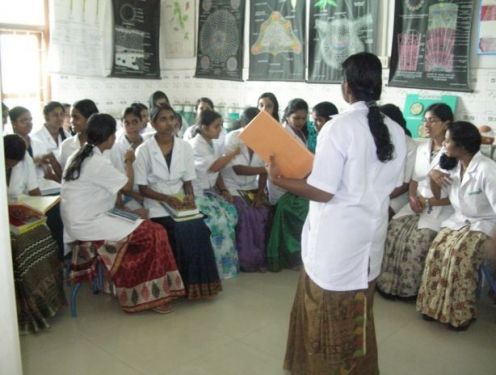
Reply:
x=371 y=103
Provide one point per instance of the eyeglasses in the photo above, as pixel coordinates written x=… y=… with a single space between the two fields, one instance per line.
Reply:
x=430 y=120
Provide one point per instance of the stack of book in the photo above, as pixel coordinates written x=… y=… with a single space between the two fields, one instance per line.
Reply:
x=180 y=211
x=29 y=212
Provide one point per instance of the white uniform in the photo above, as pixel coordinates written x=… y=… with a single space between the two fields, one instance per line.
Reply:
x=398 y=202
x=85 y=201
x=343 y=239
x=204 y=154
x=43 y=143
x=275 y=192
x=67 y=148
x=423 y=166
x=150 y=169
x=44 y=136
x=474 y=198
x=22 y=178
x=233 y=181
x=190 y=133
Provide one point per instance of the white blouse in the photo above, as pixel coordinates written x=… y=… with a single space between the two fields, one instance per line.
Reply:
x=150 y=169
x=85 y=202
x=411 y=146
x=233 y=181
x=343 y=239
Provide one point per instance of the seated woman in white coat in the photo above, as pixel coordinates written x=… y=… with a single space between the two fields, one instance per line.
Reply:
x=211 y=195
x=448 y=289
x=412 y=229
x=164 y=169
x=80 y=113
x=136 y=255
x=245 y=175
x=284 y=245
x=38 y=279
x=129 y=140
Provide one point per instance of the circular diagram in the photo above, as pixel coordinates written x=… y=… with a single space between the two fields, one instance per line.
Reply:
x=416 y=108
x=219 y=36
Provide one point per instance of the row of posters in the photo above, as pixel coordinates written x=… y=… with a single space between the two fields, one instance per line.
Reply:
x=431 y=39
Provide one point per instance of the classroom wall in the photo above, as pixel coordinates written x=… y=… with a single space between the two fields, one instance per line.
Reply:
x=113 y=94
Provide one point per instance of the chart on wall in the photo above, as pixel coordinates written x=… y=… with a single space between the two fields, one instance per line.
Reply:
x=431 y=44
x=179 y=27
x=220 y=39
x=76 y=37
x=136 y=38
x=487 y=27
x=277 y=35
x=338 y=29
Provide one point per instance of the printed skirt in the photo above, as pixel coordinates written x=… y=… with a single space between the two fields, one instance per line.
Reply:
x=450 y=279
x=331 y=332
x=141 y=267
x=221 y=218
x=38 y=279
x=284 y=245
x=190 y=241
x=251 y=235
x=404 y=257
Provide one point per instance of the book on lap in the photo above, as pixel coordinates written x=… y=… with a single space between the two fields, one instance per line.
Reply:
x=22 y=218
x=123 y=214
x=266 y=137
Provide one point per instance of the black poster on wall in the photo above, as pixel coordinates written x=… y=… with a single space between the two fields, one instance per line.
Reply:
x=277 y=40
x=431 y=44
x=337 y=30
x=136 y=39
x=220 y=40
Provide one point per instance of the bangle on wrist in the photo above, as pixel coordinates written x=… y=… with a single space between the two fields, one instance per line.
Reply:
x=428 y=205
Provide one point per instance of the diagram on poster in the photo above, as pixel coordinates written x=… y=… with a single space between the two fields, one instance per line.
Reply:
x=220 y=40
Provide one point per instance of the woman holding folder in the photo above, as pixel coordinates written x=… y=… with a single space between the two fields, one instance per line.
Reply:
x=358 y=162
x=284 y=245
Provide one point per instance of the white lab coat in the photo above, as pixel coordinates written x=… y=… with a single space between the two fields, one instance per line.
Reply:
x=423 y=165
x=204 y=154
x=343 y=239
x=85 y=202
x=22 y=178
x=150 y=169
x=474 y=198
x=67 y=148
x=190 y=133
x=233 y=181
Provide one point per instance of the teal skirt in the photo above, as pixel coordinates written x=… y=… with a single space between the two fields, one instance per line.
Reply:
x=284 y=246
x=221 y=218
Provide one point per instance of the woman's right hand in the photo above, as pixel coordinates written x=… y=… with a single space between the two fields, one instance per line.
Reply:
x=416 y=203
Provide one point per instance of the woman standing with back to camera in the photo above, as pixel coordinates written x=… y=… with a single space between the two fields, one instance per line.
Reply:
x=358 y=162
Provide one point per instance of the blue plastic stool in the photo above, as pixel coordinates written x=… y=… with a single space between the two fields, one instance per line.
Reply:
x=96 y=286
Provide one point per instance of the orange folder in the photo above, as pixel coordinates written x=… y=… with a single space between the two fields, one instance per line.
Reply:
x=266 y=137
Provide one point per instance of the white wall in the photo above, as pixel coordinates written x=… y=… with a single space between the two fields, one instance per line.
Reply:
x=112 y=94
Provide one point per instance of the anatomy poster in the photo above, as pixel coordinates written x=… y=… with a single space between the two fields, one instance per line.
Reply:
x=338 y=29
x=487 y=27
x=179 y=27
x=220 y=39
x=277 y=35
x=431 y=44
x=136 y=38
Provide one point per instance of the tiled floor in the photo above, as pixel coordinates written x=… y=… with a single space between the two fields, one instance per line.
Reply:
x=243 y=331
